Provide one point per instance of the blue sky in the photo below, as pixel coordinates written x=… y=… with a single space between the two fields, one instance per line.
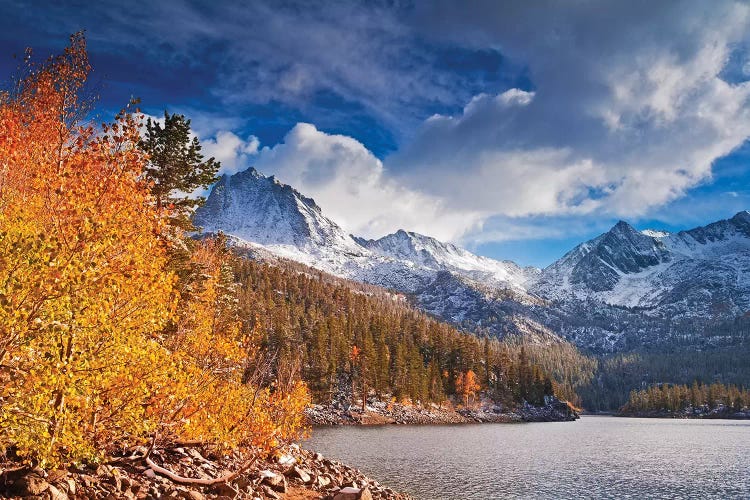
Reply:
x=515 y=130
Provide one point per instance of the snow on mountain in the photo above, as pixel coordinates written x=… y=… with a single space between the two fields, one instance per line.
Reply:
x=259 y=210
x=700 y=271
x=622 y=289
x=429 y=253
x=655 y=233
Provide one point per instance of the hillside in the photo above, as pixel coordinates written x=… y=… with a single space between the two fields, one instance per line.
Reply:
x=310 y=323
x=646 y=293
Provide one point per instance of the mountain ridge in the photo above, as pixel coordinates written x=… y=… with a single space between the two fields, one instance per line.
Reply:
x=632 y=278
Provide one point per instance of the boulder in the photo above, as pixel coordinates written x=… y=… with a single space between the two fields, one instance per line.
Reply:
x=269 y=493
x=276 y=482
x=350 y=493
x=301 y=474
x=71 y=486
x=224 y=489
x=31 y=484
x=286 y=460
x=192 y=495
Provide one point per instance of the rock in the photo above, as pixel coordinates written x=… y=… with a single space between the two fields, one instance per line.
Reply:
x=324 y=481
x=125 y=483
x=243 y=483
x=194 y=454
x=225 y=489
x=195 y=495
x=149 y=473
x=31 y=484
x=55 y=494
x=287 y=460
x=270 y=493
x=71 y=486
x=301 y=474
x=350 y=493
x=277 y=482
x=56 y=476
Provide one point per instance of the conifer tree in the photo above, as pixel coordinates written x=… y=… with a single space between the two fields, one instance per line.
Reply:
x=176 y=167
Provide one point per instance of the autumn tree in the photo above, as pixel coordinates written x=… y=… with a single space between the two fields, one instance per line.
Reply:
x=212 y=401
x=467 y=385
x=82 y=280
x=86 y=364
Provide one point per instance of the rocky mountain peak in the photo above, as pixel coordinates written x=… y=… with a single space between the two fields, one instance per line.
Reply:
x=702 y=271
x=742 y=221
x=261 y=209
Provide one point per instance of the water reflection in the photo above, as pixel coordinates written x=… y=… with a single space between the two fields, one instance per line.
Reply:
x=595 y=457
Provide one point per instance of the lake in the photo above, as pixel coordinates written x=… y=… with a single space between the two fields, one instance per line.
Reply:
x=595 y=457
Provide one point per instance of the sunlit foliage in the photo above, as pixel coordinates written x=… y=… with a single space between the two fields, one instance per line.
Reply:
x=85 y=294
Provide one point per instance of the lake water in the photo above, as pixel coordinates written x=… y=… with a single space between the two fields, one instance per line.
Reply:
x=595 y=457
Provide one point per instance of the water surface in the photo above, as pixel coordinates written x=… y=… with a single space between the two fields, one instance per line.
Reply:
x=595 y=457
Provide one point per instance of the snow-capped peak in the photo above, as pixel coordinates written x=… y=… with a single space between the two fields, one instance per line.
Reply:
x=431 y=253
x=630 y=268
x=262 y=210
x=655 y=233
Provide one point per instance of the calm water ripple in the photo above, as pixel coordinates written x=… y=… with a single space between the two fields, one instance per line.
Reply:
x=595 y=457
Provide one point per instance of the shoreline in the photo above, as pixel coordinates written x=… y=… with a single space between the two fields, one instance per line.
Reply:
x=683 y=416
x=296 y=474
x=382 y=413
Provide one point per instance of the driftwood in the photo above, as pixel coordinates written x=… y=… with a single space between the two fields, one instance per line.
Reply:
x=196 y=481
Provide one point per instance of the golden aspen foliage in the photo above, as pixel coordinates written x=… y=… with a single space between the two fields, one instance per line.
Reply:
x=467 y=385
x=82 y=285
x=213 y=350
x=85 y=294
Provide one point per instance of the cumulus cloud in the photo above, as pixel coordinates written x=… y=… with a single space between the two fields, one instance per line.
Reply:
x=630 y=108
x=353 y=188
x=233 y=152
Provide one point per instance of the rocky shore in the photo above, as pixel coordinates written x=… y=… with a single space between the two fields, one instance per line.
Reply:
x=292 y=473
x=295 y=474
x=690 y=412
x=380 y=413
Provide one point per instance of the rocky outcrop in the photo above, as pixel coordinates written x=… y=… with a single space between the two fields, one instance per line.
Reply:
x=379 y=413
x=554 y=411
x=296 y=471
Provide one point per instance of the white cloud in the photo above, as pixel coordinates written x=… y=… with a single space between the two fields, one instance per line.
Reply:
x=352 y=187
x=629 y=109
x=624 y=107
x=234 y=153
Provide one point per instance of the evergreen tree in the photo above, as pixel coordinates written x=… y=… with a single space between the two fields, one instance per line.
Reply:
x=176 y=167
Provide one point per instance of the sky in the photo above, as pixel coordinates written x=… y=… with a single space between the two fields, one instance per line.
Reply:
x=515 y=129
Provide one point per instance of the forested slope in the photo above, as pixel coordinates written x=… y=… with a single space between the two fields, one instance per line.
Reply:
x=341 y=335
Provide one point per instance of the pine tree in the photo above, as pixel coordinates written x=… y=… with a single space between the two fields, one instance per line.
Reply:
x=176 y=167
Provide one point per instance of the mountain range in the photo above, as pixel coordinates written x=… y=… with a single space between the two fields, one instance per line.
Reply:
x=622 y=290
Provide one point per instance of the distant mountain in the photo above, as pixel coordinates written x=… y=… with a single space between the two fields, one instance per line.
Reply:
x=429 y=253
x=700 y=272
x=622 y=290
x=262 y=212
